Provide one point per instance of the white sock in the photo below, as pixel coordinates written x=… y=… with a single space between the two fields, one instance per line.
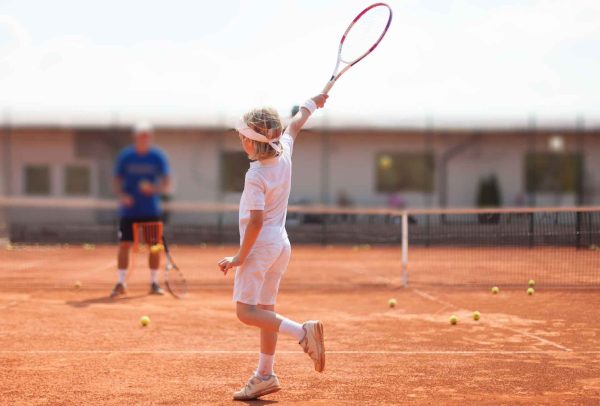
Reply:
x=122 y=275
x=154 y=275
x=265 y=365
x=291 y=328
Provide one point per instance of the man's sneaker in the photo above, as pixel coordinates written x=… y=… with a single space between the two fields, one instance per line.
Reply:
x=155 y=289
x=118 y=290
x=313 y=343
x=257 y=387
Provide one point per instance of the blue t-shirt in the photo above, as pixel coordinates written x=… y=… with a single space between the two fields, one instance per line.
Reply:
x=133 y=169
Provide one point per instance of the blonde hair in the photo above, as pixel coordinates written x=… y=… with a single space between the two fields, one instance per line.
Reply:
x=265 y=121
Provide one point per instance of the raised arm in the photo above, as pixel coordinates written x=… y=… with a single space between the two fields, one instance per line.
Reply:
x=302 y=116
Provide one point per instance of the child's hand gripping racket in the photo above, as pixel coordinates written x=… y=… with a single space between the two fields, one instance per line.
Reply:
x=174 y=279
x=361 y=37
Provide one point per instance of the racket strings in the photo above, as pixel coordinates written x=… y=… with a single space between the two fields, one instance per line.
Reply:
x=365 y=33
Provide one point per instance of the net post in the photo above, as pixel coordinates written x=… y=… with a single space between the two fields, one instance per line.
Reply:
x=405 y=248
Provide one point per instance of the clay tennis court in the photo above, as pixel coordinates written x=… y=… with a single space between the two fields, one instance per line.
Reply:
x=62 y=345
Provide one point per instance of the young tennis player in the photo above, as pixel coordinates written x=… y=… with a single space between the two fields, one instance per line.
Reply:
x=265 y=250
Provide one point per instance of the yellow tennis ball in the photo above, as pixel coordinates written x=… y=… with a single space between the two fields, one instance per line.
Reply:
x=156 y=248
x=531 y=283
x=530 y=291
x=392 y=303
x=77 y=284
x=144 y=321
x=453 y=319
x=495 y=290
x=476 y=315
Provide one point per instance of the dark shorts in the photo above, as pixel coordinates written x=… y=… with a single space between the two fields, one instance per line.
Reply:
x=126 y=226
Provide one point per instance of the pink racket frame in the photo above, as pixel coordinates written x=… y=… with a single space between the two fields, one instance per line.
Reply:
x=336 y=75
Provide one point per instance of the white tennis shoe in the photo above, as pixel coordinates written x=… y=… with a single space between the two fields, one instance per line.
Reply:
x=257 y=387
x=313 y=343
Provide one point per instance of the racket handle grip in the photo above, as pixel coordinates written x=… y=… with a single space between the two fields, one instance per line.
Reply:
x=328 y=86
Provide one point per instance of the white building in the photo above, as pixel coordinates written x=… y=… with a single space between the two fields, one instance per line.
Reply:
x=357 y=166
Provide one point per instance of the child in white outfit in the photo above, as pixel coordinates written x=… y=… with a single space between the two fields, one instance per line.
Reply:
x=265 y=250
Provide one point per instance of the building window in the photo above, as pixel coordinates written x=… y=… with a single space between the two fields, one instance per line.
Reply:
x=405 y=172
x=77 y=180
x=234 y=165
x=553 y=172
x=37 y=180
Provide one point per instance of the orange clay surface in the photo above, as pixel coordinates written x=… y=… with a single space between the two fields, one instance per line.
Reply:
x=63 y=345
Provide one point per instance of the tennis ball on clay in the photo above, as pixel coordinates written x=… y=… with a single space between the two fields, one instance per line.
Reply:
x=476 y=315
x=89 y=246
x=144 y=321
x=495 y=290
x=77 y=285
x=392 y=303
x=530 y=291
x=156 y=248
x=10 y=247
x=531 y=283
x=453 y=319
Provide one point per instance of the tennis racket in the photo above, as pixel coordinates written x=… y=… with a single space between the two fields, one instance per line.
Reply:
x=362 y=36
x=174 y=279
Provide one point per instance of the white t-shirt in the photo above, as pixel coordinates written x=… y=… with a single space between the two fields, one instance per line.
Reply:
x=267 y=187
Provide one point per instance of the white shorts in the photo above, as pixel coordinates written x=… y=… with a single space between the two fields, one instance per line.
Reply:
x=257 y=280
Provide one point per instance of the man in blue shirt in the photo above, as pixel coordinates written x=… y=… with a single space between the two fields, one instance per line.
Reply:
x=141 y=176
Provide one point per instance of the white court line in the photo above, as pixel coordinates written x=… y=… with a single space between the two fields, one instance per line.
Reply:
x=253 y=352
x=25 y=265
x=514 y=330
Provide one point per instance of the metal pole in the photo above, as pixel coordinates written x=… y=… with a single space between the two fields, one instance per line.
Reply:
x=6 y=188
x=580 y=133
x=405 y=248
x=579 y=127
x=325 y=178
x=325 y=164
x=220 y=193
x=531 y=159
x=432 y=167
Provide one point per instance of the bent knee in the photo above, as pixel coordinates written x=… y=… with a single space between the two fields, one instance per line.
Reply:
x=245 y=313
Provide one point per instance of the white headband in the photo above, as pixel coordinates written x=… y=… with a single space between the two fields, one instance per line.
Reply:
x=248 y=132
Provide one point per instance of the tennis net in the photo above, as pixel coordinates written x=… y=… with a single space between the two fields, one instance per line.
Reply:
x=553 y=246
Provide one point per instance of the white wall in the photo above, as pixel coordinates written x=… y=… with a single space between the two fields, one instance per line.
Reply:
x=194 y=160
x=41 y=147
x=502 y=155
x=195 y=154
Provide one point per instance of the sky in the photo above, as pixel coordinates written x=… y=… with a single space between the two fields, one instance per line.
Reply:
x=199 y=62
